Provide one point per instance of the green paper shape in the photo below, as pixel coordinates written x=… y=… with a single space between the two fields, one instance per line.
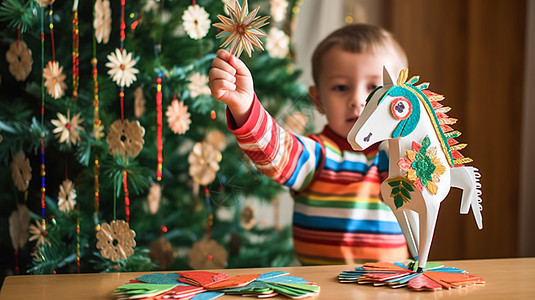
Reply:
x=407 y=186
x=398 y=201
x=160 y=278
x=394 y=183
x=148 y=289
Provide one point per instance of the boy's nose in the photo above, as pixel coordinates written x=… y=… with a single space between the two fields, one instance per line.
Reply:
x=358 y=101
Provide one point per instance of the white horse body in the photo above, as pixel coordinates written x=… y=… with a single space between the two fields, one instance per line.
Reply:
x=417 y=217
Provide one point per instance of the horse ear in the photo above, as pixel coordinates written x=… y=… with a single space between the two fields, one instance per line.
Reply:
x=387 y=79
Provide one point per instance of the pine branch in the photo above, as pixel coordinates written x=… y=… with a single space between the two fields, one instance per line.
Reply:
x=17 y=14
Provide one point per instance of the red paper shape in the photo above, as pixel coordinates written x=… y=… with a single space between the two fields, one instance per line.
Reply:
x=233 y=282
x=423 y=283
x=448 y=280
x=385 y=276
x=202 y=278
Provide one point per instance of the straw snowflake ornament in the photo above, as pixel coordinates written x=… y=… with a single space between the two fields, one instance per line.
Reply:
x=121 y=66
x=102 y=21
x=19 y=57
x=54 y=79
x=66 y=196
x=196 y=22
x=242 y=29
x=21 y=171
x=67 y=129
x=178 y=117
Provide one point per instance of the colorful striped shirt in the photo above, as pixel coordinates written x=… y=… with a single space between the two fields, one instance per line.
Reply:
x=339 y=216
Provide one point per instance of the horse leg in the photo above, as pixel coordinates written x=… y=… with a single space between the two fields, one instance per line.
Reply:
x=428 y=219
x=413 y=218
x=467 y=179
x=411 y=235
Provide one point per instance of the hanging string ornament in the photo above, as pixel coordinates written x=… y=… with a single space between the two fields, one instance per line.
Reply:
x=207 y=254
x=217 y=139
x=21 y=171
x=54 y=80
x=159 y=123
x=196 y=21
x=234 y=244
x=38 y=233
x=161 y=251
x=139 y=103
x=18 y=230
x=116 y=240
x=19 y=57
x=121 y=66
x=67 y=129
x=102 y=21
x=204 y=163
x=126 y=138
x=98 y=129
x=242 y=29
x=75 y=52
x=247 y=218
x=42 y=150
x=278 y=10
x=66 y=196
x=198 y=85
x=154 y=197
x=178 y=116
x=277 y=43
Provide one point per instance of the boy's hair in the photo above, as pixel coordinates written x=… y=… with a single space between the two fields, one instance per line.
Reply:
x=356 y=38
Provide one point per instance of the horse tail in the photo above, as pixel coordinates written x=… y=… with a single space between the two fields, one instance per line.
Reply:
x=467 y=178
x=476 y=203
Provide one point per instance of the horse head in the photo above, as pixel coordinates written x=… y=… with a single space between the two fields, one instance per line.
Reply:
x=391 y=111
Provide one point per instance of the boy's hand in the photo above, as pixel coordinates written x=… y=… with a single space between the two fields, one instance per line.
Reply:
x=231 y=82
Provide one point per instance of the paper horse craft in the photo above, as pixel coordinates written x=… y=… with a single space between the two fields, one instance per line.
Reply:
x=424 y=157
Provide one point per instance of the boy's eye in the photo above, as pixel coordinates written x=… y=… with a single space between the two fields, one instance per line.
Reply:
x=341 y=88
x=372 y=87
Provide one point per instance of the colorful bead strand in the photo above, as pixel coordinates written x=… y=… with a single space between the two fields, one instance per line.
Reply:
x=159 y=123
x=75 y=52
x=42 y=152
x=126 y=198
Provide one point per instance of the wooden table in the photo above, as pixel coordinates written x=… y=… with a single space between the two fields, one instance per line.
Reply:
x=506 y=279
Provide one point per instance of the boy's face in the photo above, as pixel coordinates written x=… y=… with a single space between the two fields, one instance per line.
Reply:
x=345 y=81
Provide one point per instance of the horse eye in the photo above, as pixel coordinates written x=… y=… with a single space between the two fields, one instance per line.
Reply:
x=401 y=108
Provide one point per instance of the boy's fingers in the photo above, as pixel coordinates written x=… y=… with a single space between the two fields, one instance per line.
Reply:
x=239 y=65
x=218 y=63
x=223 y=54
x=221 y=74
x=221 y=87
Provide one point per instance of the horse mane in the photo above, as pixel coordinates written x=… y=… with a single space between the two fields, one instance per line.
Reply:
x=441 y=121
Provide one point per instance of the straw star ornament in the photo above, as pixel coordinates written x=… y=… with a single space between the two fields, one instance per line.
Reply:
x=242 y=29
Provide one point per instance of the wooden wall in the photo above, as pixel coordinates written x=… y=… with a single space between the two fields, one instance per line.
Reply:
x=472 y=51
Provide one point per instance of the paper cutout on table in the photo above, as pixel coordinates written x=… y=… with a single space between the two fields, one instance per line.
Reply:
x=202 y=278
x=159 y=278
x=434 y=276
x=204 y=285
x=425 y=157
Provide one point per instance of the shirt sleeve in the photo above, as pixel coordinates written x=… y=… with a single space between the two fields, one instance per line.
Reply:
x=285 y=157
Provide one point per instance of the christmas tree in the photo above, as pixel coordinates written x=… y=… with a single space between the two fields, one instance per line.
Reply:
x=114 y=155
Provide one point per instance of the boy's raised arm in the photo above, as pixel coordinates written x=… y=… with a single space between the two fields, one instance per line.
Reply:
x=231 y=83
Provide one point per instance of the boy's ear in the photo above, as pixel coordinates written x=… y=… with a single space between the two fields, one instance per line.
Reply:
x=314 y=96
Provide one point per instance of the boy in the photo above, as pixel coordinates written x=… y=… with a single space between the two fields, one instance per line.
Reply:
x=339 y=216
